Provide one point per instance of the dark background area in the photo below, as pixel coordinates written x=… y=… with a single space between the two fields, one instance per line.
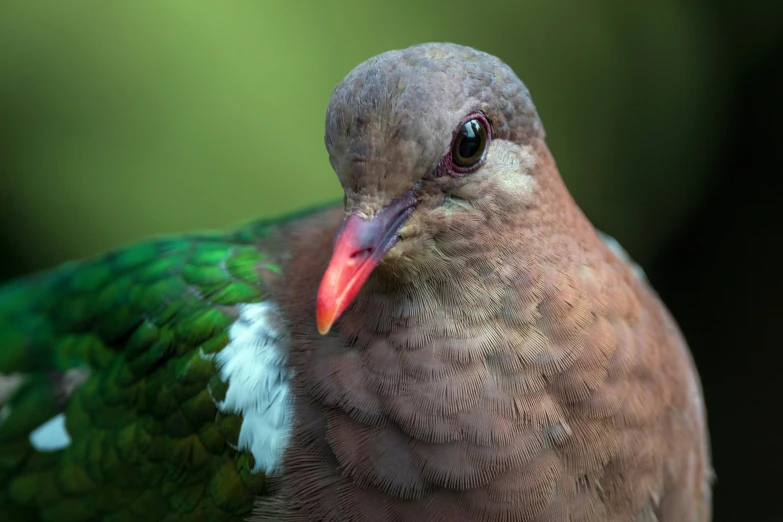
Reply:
x=720 y=274
x=118 y=121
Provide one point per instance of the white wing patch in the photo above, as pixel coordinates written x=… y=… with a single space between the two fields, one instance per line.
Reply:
x=253 y=364
x=8 y=385
x=51 y=435
x=621 y=254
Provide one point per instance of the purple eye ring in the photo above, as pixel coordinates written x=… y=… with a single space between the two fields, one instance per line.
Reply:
x=469 y=146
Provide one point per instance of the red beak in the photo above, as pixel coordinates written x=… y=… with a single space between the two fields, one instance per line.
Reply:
x=359 y=247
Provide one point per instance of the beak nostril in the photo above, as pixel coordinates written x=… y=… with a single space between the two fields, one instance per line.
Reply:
x=363 y=253
x=360 y=244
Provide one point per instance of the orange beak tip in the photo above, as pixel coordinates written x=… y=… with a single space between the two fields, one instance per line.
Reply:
x=359 y=246
x=324 y=323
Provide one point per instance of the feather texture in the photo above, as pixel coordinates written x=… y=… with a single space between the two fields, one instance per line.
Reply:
x=147 y=383
x=500 y=359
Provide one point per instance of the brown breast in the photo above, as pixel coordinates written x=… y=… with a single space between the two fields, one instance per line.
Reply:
x=553 y=388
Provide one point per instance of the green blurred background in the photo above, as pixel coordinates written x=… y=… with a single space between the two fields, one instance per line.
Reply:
x=120 y=120
x=123 y=119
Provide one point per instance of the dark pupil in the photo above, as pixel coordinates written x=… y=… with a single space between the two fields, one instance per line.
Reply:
x=470 y=144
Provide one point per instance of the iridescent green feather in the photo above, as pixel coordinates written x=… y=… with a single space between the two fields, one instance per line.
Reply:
x=147 y=441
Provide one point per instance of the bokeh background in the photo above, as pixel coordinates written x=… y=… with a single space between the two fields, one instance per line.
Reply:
x=120 y=120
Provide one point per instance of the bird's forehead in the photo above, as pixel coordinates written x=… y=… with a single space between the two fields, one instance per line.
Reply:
x=392 y=118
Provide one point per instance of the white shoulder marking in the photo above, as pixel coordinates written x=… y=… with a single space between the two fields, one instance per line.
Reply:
x=51 y=435
x=254 y=365
x=621 y=253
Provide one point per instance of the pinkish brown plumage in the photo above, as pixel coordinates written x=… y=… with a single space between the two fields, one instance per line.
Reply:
x=499 y=363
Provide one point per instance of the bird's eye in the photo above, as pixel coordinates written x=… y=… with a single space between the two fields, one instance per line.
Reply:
x=470 y=143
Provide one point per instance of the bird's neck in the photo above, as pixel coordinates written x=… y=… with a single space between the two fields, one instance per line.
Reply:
x=422 y=379
x=466 y=292
x=426 y=375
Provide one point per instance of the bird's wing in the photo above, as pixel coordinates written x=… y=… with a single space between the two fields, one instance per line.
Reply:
x=622 y=255
x=693 y=490
x=146 y=384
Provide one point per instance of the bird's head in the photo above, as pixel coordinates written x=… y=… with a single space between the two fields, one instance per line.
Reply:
x=431 y=144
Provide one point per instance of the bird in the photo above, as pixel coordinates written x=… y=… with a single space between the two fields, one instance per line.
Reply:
x=454 y=341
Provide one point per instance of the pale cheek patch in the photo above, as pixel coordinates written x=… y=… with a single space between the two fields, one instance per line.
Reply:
x=509 y=166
